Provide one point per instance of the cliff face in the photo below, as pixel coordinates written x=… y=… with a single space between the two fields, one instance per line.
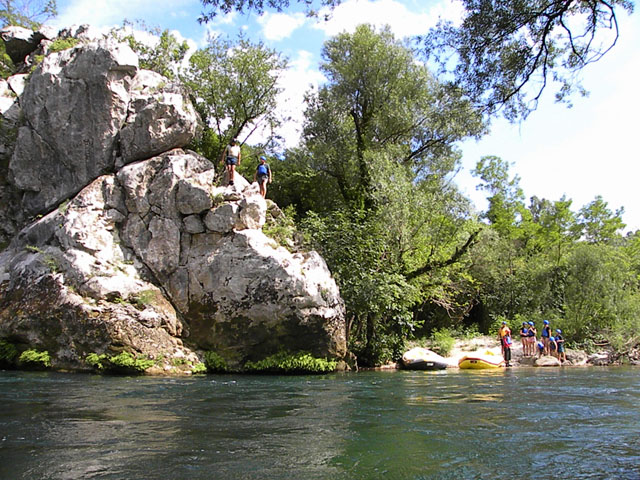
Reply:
x=115 y=239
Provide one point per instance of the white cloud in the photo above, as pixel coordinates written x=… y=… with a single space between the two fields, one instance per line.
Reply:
x=403 y=22
x=278 y=26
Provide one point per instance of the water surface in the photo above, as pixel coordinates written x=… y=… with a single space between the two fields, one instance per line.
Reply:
x=580 y=423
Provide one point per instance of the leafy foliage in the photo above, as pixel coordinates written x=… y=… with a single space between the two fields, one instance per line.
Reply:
x=159 y=50
x=35 y=359
x=234 y=85
x=508 y=52
x=291 y=363
x=442 y=341
x=379 y=140
x=8 y=353
x=213 y=7
x=124 y=362
x=215 y=363
x=26 y=13
x=60 y=44
x=503 y=54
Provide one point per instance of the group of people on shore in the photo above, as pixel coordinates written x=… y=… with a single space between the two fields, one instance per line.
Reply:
x=548 y=344
x=232 y=157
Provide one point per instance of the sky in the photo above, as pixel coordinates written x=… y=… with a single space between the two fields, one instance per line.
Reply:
x=580 y=152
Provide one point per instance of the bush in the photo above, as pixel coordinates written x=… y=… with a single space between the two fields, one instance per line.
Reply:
x=8 y=353
x=443 y=341
x=291 y=363
x=215 y=363
x=199 y=368
x=34 y=358
x=60 y=44
x=124 y=362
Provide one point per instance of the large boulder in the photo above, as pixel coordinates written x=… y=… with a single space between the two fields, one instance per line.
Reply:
x=131 y=246
x=124 y=238
x=87 y=110
x=547 y=361
x=20 y=42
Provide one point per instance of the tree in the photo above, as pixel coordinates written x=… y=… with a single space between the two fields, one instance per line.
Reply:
x=213 y=7
x=508 y=52
x=26 y=13
x=379 y=99
x=504 y=53
x=234 y=85
x=598 y=223
x=507 y=212
x=602 y=296
x=164 y=55
x=381 y=131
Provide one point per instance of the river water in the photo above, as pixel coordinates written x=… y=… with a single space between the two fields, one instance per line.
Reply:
x=571 y=423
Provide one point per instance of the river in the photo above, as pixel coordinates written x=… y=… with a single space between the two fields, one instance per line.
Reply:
x=526 y=423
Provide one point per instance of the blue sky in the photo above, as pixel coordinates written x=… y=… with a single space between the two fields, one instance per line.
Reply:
x=583 y=151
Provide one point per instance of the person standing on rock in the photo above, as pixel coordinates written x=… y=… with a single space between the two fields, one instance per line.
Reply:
x=552 y=346
x=546 y=333
x=562 y=356
x=524 y=339
x=263 y=175
x=232 y=155
x=532 y=335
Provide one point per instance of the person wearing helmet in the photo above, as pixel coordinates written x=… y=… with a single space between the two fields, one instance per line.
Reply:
x=546 y=333
x=232 y=156
x=552 y=346
x=562 y=356
x=532 y=334
x=505 y=341
x=524 y=338
x=262 y=175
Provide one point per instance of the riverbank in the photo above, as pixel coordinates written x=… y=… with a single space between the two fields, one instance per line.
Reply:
x=483 y=343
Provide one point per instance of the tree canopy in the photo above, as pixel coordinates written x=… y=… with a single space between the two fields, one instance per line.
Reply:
x=503 y=54
x=235 y=87
x=26 y=13
x=507 y=53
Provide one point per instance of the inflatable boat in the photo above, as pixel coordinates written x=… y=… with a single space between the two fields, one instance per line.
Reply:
x=481 y=361
x=422 y=359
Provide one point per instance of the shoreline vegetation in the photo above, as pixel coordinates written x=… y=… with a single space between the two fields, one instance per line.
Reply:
x=303 y=363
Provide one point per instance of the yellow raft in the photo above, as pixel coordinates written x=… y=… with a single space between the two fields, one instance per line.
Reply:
x=481 y=361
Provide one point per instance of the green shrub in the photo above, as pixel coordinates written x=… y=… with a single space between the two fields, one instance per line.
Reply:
x=34 y=358
x=442 y=341
x=199 y=368
x=96 y=360
x=60 y=44
x=127 y=360
x=215 y=363
x=281 y=229
x=144 y=298
x=285 y=362
x=8 y=353
x=123 y=362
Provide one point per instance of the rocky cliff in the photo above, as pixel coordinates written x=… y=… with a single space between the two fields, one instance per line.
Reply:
x=114 y=238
